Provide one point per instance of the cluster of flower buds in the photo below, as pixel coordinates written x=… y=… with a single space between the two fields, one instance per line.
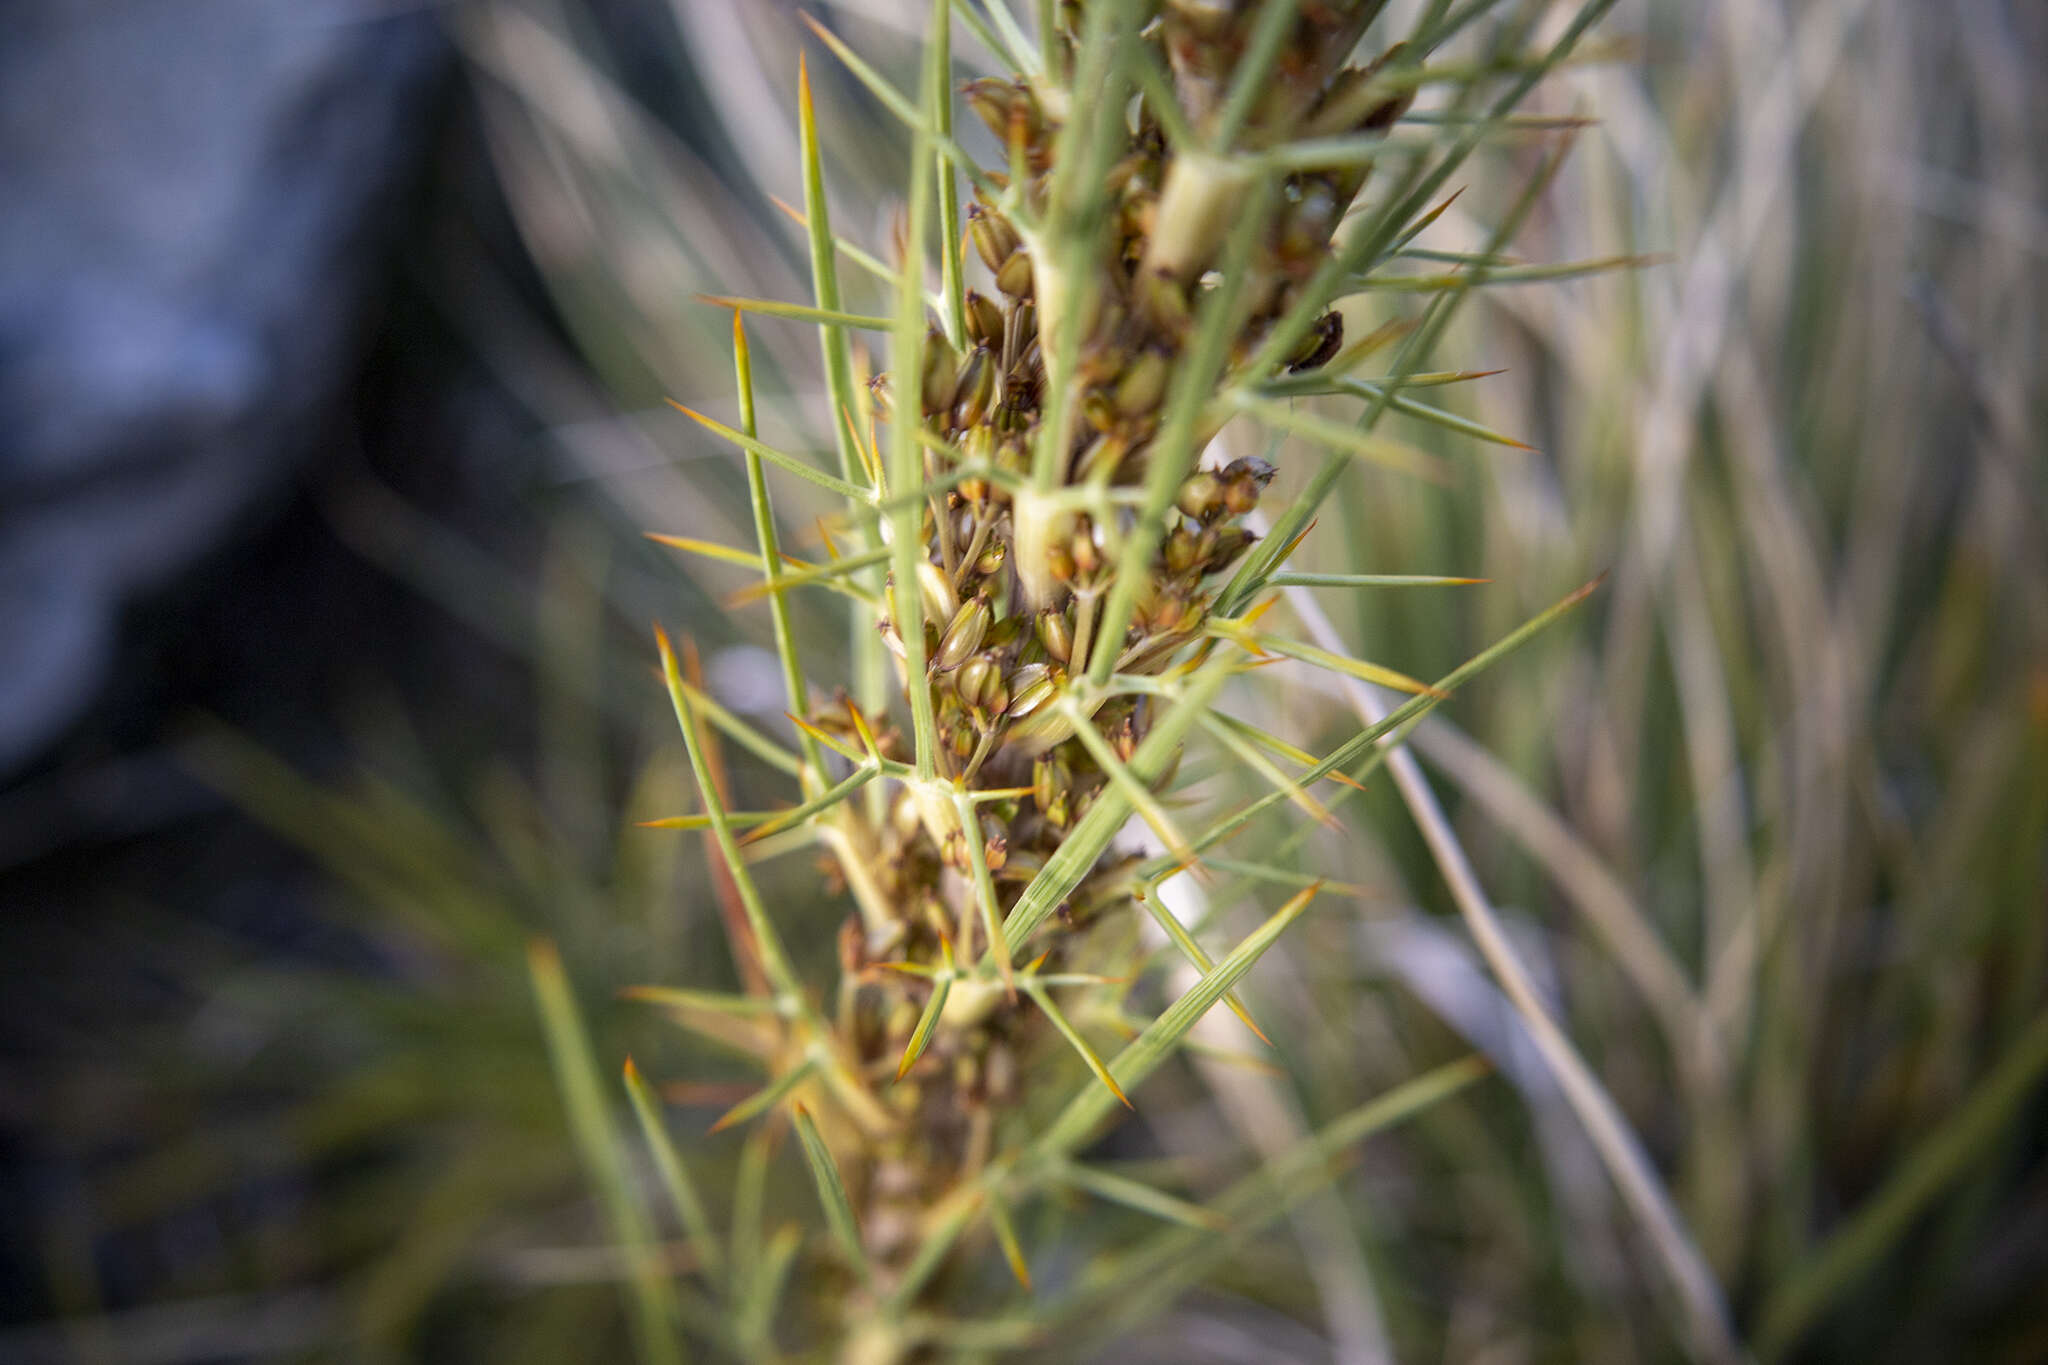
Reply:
x=1013 y=587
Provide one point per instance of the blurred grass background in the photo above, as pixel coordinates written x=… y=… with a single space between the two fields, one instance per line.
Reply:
x=1770 y=815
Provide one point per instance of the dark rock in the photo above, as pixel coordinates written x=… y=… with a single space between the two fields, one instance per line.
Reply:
x=196 y=195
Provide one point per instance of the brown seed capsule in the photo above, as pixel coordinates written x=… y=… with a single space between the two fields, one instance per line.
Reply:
x=995 y=241
x=1169 y=611
x=991 y=559
x=1201 y=496
x=1059 y=563
x=963 y=633
x=939 y=365
x=1023 y=324
x=1221 y=546
x=990 y=99
x=1243 y=481
x=975 y=387
x=1056 y=635
x=995 y=842
x=984 y=320
x=1181 y=551
x=1250 y=467
x=1031 y=687
x=1124 y=739
x=1020 y=389
x=1013 y=277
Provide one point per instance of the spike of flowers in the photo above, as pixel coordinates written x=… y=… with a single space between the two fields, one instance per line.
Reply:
x=1057 y=539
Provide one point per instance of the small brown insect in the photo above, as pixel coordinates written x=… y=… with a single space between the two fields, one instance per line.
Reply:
x=1321 y=344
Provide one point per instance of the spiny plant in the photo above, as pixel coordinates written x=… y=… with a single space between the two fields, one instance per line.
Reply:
x=1054 y=581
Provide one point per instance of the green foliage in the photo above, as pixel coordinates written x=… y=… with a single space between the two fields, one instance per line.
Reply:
x=1160 y=248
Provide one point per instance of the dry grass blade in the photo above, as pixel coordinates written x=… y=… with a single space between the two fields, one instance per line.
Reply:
x=1708 y=1323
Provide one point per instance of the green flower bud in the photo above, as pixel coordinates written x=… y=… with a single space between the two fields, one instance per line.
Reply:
x=1024 y=317
x=1056 y=635
x=993 y=237
x=1201 y=496
x=979 y=682
x=1031 y=687
x=1143 y=385
x=975 y=387
x=984 y=320
x=939 y=363
x=1014 y=275
x=937 y=588
x=963 y=634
